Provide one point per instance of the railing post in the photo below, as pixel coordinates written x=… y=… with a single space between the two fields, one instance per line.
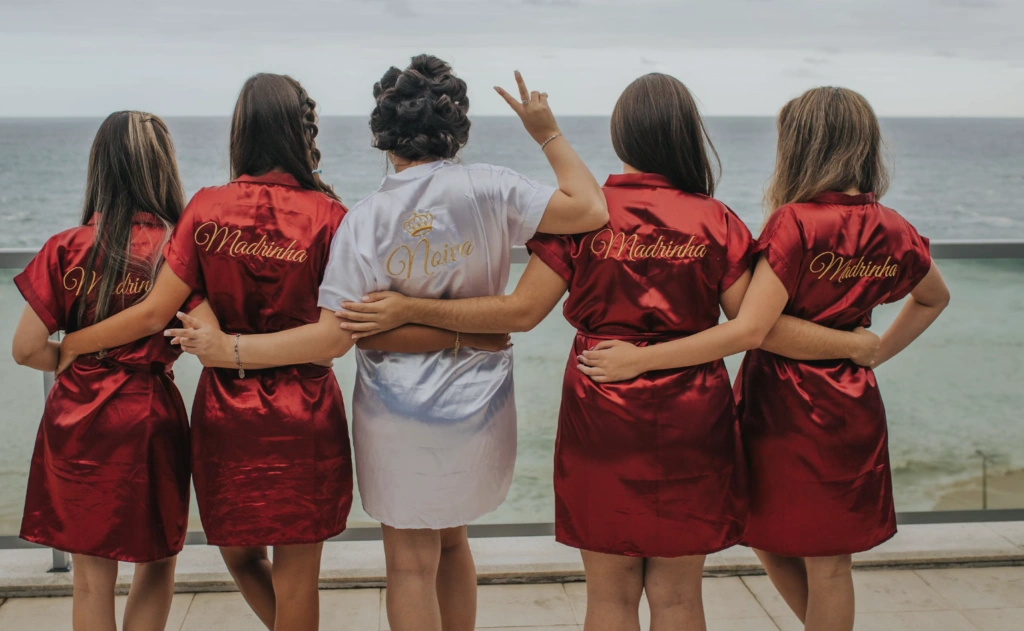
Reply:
x=61 y=560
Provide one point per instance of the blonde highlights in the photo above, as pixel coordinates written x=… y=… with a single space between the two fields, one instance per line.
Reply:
x=829 y=140
x=132 y=169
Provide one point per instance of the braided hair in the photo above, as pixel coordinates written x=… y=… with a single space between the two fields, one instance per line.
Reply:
x=421 y=112
x=275 y=127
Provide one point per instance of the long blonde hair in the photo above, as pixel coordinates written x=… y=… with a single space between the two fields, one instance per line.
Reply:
x=829 y=140
x=132 y=169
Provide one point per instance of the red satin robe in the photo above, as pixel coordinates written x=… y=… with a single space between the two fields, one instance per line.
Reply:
x=110 y=470
x=270 y=451
x=649 y=467
x=814 y=432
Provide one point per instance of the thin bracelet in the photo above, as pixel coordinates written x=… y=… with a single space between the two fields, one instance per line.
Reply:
x=458 y=343
x=545 y=143
x=241 y=371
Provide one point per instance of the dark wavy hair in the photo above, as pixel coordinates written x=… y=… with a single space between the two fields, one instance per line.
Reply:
x=274 y=127
x=421 y=112
x=657 y=128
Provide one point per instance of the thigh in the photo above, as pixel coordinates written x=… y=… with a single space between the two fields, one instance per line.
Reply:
x=613 y=577
x=235 y=556
x=454 y=537
x=94 y=573
x=671 y=581
x=826 y=568
x=416 y=550
x=298 y=561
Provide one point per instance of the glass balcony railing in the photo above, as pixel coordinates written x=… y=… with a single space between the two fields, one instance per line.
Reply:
x=953 y=401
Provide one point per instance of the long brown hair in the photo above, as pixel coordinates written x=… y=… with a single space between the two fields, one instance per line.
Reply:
x=656 y=128
x=132 y=169
x=275 y=127
x=829 y=140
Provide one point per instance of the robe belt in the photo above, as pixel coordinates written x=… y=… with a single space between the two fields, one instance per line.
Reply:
x=649 y=337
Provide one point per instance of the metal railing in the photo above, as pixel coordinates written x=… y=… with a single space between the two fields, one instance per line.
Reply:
x=18 y=258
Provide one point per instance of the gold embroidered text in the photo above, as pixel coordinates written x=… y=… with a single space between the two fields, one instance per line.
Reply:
x=630 y=247
x=207 y=236
x=841 y=269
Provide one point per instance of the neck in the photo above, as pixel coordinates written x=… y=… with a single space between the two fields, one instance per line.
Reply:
x=626 y=168
x=401 y=164
x=853 y=191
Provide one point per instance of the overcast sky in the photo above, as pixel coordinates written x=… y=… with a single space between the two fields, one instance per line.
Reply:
x=740 y=57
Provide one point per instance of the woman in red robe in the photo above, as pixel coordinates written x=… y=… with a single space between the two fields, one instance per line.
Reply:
x=270 y=448
x=814 y=432
x=109 y=479
x=648 y=474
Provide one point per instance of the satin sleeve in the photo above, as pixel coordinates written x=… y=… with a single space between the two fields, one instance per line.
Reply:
x=782 y=244
x=351 y=270
x=517 y=200
x=739 y=250
x=42 y=285
x=916 y=263
x=181 y=252
x=556 y=252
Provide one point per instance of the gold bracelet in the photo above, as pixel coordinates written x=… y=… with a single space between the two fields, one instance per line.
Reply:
x=458 y=343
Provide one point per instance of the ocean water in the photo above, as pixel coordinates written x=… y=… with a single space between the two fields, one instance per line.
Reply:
x=956 y=391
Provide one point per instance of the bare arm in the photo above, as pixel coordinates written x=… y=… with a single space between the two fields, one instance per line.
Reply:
x=761 y=306
x=537 y=293
x=413 y=338
x=32 y=345
x=318 y=342
x=926 y=302
x=804 y=341
x=579 y=204
x=143 y=319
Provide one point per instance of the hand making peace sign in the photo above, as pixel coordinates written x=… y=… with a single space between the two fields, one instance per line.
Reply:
x=532 y=108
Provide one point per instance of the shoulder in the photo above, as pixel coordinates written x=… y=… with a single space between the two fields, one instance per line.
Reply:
x=786 y=222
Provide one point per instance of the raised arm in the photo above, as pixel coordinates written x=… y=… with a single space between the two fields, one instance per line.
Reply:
x=579 y=204
x=926 y=302
x=537 y=293
x=145 y=318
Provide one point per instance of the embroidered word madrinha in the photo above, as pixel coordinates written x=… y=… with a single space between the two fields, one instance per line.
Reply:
x=604 y=242
x=854 y=268
x=207 y=234
x=130 y=285
x=403 y=258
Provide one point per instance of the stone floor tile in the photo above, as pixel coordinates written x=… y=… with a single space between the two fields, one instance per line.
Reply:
x=877 y=592
x=523 y=606
x=978 y=587
x=726 y=598
x=913 y=621
x=223 y=612
x=35 y=614
x=350 y=609
x=996 y=619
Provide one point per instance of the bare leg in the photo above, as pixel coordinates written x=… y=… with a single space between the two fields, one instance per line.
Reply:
x=456 y=581
x=296 y=585
x=253 y=573
x=149 y=599
x=412 y=558
x=674 y=592
x=92 y=607
x=614 y=587
x=789 y=575
x=830 y=603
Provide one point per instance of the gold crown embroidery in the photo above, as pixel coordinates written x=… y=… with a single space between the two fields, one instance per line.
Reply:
x=419 y=223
